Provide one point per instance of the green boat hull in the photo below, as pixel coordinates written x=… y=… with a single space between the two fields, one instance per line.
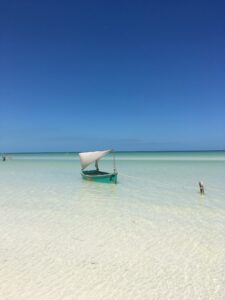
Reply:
x=99 y=176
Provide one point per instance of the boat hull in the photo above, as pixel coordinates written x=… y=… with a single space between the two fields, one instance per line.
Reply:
x=99 y=176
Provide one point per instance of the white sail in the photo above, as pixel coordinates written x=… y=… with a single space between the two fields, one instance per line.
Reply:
x=86 y=158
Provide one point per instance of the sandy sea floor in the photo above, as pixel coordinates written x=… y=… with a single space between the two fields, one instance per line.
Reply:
x=151 y=236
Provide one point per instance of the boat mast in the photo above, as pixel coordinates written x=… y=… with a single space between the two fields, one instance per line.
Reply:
x=114 y=162
x=96 y=165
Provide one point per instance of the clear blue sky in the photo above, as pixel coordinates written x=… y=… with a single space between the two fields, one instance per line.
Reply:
x=132 y=75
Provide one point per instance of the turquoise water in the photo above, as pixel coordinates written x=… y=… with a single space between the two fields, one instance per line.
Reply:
x=151 y=236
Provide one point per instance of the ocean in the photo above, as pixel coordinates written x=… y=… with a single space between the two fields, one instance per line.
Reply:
x=151 y=236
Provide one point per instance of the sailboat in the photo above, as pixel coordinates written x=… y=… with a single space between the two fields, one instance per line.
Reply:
x=86 y=158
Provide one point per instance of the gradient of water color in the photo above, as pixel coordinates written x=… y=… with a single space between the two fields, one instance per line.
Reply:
x=151 y=236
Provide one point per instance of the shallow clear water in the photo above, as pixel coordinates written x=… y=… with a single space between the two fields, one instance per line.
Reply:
x=151 y=236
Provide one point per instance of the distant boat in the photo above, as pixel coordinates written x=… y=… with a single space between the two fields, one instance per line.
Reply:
x=86 y=158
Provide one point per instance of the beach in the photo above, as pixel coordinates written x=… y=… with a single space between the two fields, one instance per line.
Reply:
x=151 y=236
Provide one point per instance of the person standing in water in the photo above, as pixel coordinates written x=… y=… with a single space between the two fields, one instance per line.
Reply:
x=201 y=188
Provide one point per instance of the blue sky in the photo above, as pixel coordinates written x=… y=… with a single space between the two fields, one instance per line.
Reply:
x=128 y=75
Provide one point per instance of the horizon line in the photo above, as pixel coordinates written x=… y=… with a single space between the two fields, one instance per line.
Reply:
x=70 y=152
